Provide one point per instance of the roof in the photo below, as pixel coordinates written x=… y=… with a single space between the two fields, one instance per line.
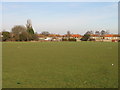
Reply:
x=54 y=35
x=111 y=35
x=107 y=35
x=76 y=35
x=94 y=35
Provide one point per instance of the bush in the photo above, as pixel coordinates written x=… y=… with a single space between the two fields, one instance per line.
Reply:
x=23 y=36
x=71 y=39
x=6 y=36
x=91 y=39
x=85 y=37
x=64 y=39
x=30 y=30
x=35 y=37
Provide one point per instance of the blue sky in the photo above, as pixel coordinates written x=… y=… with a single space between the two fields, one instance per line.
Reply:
x=59 y=17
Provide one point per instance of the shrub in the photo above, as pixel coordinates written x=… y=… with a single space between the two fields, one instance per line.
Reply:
x=71 y=39
x=85 y=37
x=6 y=36
x=64 y=39
x=91 y=39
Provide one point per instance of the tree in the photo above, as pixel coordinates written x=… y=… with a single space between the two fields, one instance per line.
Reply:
x=97 y=33
x=6 y=36
x=35 y=37
x=46 y=33
x=30 y=30
x=16 y=37
x=103 y=32
x=24 y=36
x=18 y=29
x=85 y=37
x=89 y=32
x=68 y=34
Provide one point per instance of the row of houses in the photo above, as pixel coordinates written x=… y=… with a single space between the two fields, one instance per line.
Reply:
x=56 y=37
x=94 y=37
x=107 y=37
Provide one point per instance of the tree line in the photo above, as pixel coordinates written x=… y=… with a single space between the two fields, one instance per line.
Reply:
x=87 y=35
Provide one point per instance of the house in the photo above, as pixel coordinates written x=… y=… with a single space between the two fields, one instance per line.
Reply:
x=51 y=37
x=96 y=37
x=107 y=37
x=112 y=37
x=76 y=36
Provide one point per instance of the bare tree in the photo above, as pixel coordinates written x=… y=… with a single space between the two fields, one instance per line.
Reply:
x=97 y=33
x=103 y=32
x=68 y=34
x=18 y=29
x=46 y=33
x=89 y=32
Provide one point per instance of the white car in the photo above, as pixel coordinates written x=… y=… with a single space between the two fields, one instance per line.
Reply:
x=48 y=39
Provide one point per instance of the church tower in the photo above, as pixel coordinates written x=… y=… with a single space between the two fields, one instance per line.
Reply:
x=29 y=27
x=29 y=24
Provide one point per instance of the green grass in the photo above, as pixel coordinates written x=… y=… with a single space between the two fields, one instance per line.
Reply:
x=60 y=65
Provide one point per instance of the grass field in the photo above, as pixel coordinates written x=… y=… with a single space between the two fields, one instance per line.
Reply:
x=60 y=65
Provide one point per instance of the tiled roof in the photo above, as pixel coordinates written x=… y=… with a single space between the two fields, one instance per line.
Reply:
x=94 y=35
x=111 y=35
x=107 y=35
x=76 y=35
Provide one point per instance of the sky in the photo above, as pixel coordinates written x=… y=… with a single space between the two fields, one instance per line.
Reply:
x=60 y=17
x=60 y=0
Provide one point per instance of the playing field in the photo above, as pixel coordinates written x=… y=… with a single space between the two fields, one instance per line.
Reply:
x=60 y=65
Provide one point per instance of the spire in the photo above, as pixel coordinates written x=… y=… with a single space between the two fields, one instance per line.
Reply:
x=29 y=23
